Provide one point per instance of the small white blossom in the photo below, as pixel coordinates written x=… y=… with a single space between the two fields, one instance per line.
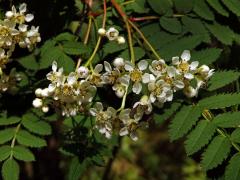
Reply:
x=82 y=72
x=130 y=125
x=112 y=34
x=103 y=118
x=136 y=74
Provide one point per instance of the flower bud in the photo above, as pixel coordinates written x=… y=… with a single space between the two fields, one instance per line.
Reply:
x=190 y=92
x=204 y=69
x=9 y=14
x=102 y=32
x=37 y=103
x=118 y=62
x=38 y=92
x=45 y=109
x=45 y=92
x=82 y=72
x=121 y=40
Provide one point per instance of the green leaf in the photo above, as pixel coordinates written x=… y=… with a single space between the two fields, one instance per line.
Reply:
x=233 y=169
x=220 y=101
x=233 y=5
x=56 y=54
x=113 y=47
x=201 y=8
x=10 y=170
x=227 y=120
x=235 y=136
x=207 y=56
x=47 y=57
x=160 y=6
x=223 y=33
x=171 y=24
x=138 y=7
x=6 y=135
x=8 y=121
x=29 y=62
x=49 y=44
x=66 y=62
x=199 y=137
x=222 y=78
x=183 y=121
x=33 y=124
x=216 y=152
x=75 y=48
x=27 y=139
x=5 y=152
x=168 y=112
x=196 y=27
x=215 y=4
x=66 y=36
x=178 y=46
x=139 y=53
x=76 y=169
x=184 y=6
x=23 y=154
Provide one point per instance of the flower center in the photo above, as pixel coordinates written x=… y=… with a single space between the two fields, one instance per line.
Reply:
x=67 y=90
x=159 y=67
x=101 y=117
x=136 y=75
x=184 y=66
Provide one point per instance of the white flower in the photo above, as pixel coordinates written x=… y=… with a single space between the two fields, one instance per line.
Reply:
x=121 y=85
x=86 y=92
x=121 y=40
x=37 y=103
x=130 y=125
x=112 y=34
x=136 y=74
x=19 y=17
x=96 y=77
x=144 y=106
x=158 y=67
x=183 y=66
x=160 y=91
x=56 y=76
x=103 y=118
x=82 y=72
x=111 y=75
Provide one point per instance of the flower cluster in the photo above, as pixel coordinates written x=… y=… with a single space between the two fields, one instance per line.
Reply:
x=112 y=34
x=153 y=82
x=15 y=30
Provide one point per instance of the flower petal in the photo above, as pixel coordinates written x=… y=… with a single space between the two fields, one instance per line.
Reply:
x=142 y=65
x=123 y=131
x=128 y=66
x=186 y=56
x=137 y=87
x=107 y=66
